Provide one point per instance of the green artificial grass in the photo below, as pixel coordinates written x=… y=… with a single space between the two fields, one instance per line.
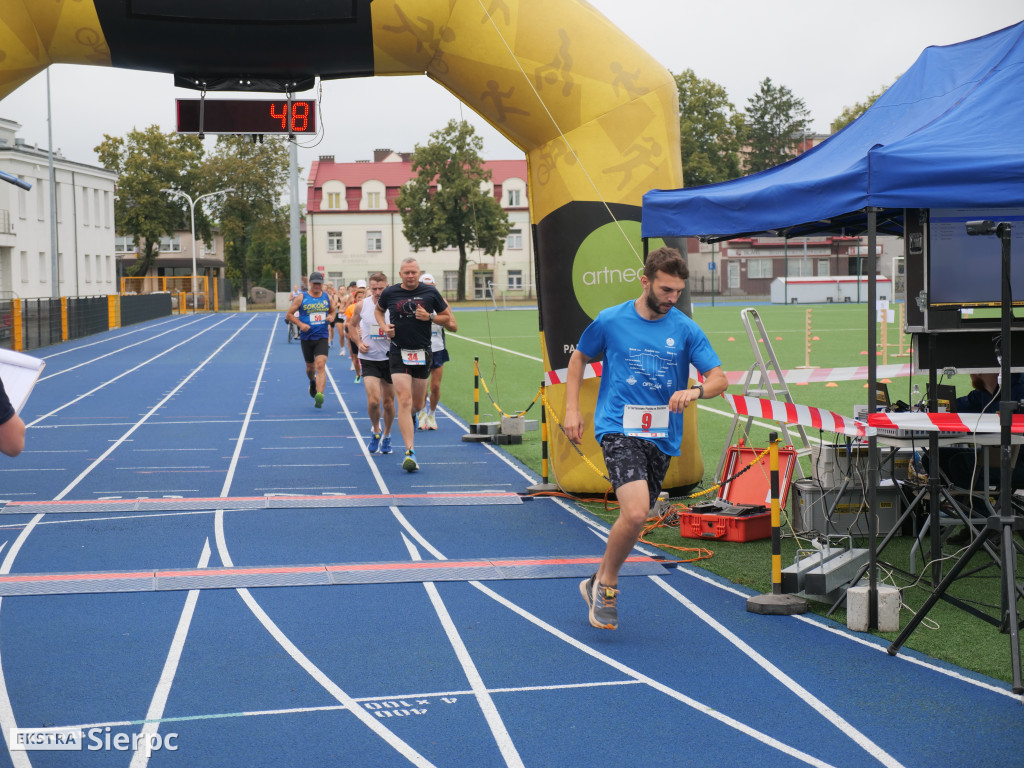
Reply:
x=508 y=348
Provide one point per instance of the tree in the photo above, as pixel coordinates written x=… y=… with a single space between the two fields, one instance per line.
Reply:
x=709 y=129
x=849 y=114
x=146 y=162
x=446 y=205
x=775 y=121
x=254 y=226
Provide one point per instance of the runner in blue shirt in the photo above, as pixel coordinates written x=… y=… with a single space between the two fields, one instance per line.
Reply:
x=648 y=347
x=317 y=311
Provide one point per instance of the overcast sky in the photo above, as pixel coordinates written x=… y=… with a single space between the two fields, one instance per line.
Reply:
x=830 y=54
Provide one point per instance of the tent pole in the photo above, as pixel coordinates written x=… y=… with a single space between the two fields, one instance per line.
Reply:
x=873 y=473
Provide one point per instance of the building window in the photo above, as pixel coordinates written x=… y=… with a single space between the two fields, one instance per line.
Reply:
x=211 y=247
x=514 y=241
x=451 y=281
x=373 y=200
x=24 y=266
x=22 y=201
x=85 y=207
x=334 y=199
x=733 y=269
x=515 y=279
x=43 y=271
x=338 y=278
x=170 y=244
x=123 y=244
x=40 y=200
x=759 y=268
x=87 y=262
x=108 y=273
x=374 y=241
x=513 y=198
x=106 y=208
x=800 y=268
x=823 y=267
x=334 y=241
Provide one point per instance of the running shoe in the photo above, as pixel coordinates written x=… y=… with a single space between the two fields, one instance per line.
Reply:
x=409 y=462
x=318 y=400
x=358 y=378
x=374 y=443
x=431 y=420
x=421 y=419
x=385 y=444
x=416 y=420
x=601 y=601
x=312 y=388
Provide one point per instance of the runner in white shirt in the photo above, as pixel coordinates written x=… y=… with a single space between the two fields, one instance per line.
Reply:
x=373 y=346
x=439 y=356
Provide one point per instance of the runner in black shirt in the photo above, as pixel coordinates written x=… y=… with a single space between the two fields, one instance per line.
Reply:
x=412 y=306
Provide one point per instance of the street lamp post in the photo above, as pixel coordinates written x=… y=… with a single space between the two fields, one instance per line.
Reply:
x=192 y=223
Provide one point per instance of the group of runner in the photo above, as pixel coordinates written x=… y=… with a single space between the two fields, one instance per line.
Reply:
x=396 y=334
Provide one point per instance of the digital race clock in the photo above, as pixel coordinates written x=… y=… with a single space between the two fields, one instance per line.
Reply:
x=247 y=116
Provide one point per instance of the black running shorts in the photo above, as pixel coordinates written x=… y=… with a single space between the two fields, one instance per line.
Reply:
x=632 y=458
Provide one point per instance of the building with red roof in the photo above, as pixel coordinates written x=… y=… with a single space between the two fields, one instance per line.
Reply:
x=353 y=228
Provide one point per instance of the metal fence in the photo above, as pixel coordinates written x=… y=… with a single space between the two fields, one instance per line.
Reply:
x=32 y=323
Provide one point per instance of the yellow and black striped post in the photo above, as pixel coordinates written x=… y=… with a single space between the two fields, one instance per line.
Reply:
x=773 y=474
x=476 y=394
x=544 y=486
x=475 y=435
x=776 y=603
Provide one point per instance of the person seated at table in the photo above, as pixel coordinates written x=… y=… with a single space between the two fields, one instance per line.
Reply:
x=961 y=465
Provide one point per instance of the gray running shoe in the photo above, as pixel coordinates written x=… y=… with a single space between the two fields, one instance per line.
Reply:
x=601 y=602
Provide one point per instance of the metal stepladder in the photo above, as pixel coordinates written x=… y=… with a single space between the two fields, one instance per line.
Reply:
x=758 y=383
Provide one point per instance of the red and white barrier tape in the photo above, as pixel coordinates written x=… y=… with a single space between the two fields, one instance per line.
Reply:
x=984 y=423
x=790 y=413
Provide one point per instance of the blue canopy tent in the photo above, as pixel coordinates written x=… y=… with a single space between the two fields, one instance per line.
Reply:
x=948 y=134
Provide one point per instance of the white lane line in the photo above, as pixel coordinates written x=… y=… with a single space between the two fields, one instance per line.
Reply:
x=501 y=735
x=656 y=685
x=163 y=687
x=461 y=337
x=821 y=624
x=92 y=360
x=802 y=693
x=700 y=707
x=75 y=348
x=144 y=363
x=7 y=721
x=371 y=722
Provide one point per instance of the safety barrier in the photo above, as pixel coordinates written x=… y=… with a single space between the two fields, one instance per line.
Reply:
x=40 y=322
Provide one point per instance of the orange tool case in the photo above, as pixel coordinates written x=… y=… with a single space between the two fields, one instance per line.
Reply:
x=742 y=510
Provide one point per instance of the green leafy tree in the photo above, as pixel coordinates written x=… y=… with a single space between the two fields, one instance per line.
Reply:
x=445 y=205
x=147 y=161
x=775 y=121
x=254 y=226
x=849 y=114
x=709 y=129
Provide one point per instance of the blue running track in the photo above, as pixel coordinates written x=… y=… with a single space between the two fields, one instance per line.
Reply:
x=354 y=614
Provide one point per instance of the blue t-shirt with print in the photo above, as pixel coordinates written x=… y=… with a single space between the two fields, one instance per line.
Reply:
x=313 y=312
x=645 y=361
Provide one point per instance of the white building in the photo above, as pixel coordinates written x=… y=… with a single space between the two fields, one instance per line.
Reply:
x=85 y=223
x=354 y=229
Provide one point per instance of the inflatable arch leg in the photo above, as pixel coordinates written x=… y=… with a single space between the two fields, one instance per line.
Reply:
x=596 y=116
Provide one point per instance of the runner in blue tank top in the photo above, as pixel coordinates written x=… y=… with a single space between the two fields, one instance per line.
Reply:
x=316 y=311
x=648 y=347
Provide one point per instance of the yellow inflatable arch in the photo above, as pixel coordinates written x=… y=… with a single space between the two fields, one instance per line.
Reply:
x=596 y=116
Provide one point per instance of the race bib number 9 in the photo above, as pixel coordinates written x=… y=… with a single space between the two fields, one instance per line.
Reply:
x=646 y=421
x=414 y=357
